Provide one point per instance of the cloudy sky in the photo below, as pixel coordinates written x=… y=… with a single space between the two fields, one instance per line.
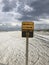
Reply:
x=24 y=10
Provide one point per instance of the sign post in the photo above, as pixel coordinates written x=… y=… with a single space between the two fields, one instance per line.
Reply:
x=27 y=31
x=27 y=34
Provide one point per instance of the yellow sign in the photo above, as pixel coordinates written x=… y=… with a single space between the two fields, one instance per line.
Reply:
x=27 y=25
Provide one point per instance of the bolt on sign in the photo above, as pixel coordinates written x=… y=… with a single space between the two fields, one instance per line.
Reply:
x=27 y=27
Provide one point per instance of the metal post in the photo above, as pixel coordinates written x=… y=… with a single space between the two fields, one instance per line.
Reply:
x=27 y=34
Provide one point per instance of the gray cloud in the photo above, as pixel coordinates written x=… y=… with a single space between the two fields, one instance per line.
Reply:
x=41 y=7
x=8 y=5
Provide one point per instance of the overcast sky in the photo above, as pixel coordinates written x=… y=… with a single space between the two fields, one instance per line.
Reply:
x=24 y=10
